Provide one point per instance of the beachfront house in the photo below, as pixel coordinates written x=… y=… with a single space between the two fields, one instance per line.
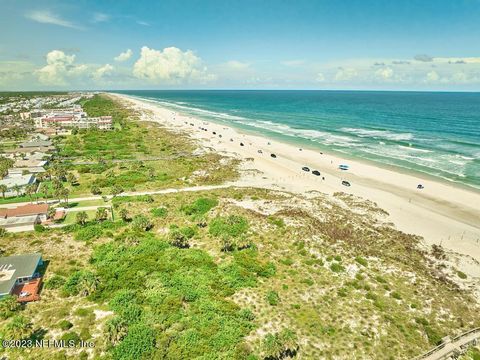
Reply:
x=23 y=218
x=19 y=276
x=16 y=184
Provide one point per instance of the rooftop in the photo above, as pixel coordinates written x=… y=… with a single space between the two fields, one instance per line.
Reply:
x=16 y=266
x=22 y=180
x=36 y=143
x=24 y=210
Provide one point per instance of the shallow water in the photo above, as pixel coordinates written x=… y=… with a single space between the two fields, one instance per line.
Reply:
x=428 y=132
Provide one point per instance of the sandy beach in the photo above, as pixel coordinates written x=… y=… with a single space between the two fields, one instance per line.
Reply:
x=442 y=214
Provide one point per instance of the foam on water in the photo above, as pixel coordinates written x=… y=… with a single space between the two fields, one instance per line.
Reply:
x=433 y=133
x=379 y=134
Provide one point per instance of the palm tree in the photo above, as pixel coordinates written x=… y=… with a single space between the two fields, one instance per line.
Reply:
x=3 y=190
x=17 y=189
x=116 y=190
x=51 y=213
x=88 y=284
x=124 y=214
x=8 y=305
x=101 y=214
x=82 y=217
x=72 y=179
x=30 y=190
x=65 y=193
x=18 y=328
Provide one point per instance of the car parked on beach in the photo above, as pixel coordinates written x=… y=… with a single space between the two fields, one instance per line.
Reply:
x=241 y=144
x=273 y=156
x=305 y=168
x=316 y=172
x=345 y=183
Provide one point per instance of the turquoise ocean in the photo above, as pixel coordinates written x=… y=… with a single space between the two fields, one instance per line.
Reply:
x=430 y=133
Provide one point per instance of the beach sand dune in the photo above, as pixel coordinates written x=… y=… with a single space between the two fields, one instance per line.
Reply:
x=441 y=213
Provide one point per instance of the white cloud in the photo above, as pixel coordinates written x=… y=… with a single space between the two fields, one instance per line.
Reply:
x=103 y=72
x=170 y=65
x=320 y=77
x=47 y=17
x=143 y=23
x=385 y=73
x=60 y=66
x=432 y=76
x=345 y=74
x=237 y=65
x=124 y=56
x=100 y=17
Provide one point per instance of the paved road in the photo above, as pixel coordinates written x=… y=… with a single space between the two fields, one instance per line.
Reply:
x=132 y=193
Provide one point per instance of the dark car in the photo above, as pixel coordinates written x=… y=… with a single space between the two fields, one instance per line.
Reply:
x=345 y=183
x=273 y=155
x=316 y=172
x=420 y=186
x=214 y=132
x=241 y=144
x=305 y=168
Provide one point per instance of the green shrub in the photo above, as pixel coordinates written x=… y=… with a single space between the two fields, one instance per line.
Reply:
x=159 y=212
x=138 y=344
x=141 y=223
x=8 y=306
x=83 y=312
x=335 y=267
x=55 y=282
x=247 y=314
x=361 y=261
x=80 y=282
x=179 y=237
x=338 y=258
x=273 y=298
x=71 y=337
x=380 y=279
x=231 y=226
x=276 y=221
x=287 y=261
x=88 y=233
x=434 y=337
x=65 y=325
x=200 y=207
x=280 y=345
x=396 y=295
x=461 y=275
x=39 y=228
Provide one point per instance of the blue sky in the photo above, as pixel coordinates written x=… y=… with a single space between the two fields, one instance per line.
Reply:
x=369 y=44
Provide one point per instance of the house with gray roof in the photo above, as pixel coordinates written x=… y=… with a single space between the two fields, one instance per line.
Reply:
x=17 y=270
x=36 y=143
